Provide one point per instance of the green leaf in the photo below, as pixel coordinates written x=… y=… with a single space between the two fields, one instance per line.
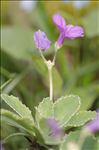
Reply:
x=65 y=108
x=81 y=118
x=62 y=110
x=13 y=135
x=45 y=108
x=26 y=124
x=44 y=111
x=17 y=42
x=17 y=106
x=14 y=120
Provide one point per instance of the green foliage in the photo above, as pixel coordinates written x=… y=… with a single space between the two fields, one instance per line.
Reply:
x=45 y=108
x=14 y=120
x=17 y=106
x=64 y=110
x=81 y=118
x=80 y=141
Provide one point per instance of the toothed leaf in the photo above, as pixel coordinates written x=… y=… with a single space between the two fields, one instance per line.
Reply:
x=65 y=108
x=81 y=118
x=17 y=106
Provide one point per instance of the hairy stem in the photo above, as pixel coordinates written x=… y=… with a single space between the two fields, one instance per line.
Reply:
x=49 y=65
x=51 y=83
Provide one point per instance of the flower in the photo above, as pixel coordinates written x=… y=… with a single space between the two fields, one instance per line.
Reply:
x=66 y=31
x=41 y=40
x=93 y=126
x=53 y=125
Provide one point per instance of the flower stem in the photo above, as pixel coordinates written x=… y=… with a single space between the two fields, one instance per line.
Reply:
x=49 y=65
x=51 y=83
x=42 y=56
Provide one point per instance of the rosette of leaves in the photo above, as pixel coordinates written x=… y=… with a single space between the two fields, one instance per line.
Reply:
x=65 y=110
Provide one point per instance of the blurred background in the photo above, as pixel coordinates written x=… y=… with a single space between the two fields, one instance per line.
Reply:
x=23 y=72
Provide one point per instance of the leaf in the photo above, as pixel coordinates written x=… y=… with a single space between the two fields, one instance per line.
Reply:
x=17 y=42
x=5 y=84
x=44 y=111
x=23 y=123
x=65 y=108
x=12 y=135
x=45 y=108
x=17 y=106
x=62 y=110
x=81 y=118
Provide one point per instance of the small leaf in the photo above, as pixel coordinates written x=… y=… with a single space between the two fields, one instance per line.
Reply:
x=17 y=106
x=65 y=108
x=45 y=108
x=81 y=118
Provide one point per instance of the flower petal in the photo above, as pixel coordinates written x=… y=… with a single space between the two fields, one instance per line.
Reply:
x=73 y=32
x=41 y=40
x=61 y=38
x=59 y=21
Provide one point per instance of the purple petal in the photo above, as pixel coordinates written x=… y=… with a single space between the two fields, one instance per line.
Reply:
x=66 y=31
x=56 y=130
x=93 y=126
x=61 y=38
x=59 y=21
x=41 y=40
x=73 y=32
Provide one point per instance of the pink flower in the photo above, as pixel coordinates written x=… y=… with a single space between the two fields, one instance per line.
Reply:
x=66 y=31
x=41 y=40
